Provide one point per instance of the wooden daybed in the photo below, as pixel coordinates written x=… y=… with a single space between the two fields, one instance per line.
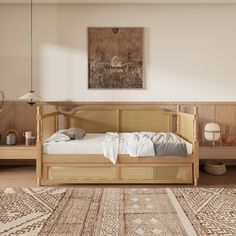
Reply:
x=70 y=169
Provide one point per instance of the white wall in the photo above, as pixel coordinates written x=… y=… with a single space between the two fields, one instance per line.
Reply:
x=190 y=51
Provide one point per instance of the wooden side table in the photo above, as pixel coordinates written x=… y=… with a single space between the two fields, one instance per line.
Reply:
x=218 y=152
x=18 y=152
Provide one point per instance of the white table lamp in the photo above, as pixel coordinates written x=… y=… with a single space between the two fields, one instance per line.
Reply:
x=212 y=132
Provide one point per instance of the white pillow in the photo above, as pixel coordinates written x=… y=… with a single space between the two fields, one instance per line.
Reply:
x=58 y=137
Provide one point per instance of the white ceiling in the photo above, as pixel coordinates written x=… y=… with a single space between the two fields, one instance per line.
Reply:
x=121 y=1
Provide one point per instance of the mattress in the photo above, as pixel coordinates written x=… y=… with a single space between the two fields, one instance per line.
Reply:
x=90 y=144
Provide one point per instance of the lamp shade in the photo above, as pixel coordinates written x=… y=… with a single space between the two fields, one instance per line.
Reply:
x=31 y=97
x=212 y=131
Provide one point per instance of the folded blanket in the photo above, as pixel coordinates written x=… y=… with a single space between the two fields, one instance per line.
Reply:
x=168 y=144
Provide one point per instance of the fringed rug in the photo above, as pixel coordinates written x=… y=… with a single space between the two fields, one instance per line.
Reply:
x=118 y=211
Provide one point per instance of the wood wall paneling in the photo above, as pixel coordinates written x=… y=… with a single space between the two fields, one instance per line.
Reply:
x=226 y=115
x=19 y=116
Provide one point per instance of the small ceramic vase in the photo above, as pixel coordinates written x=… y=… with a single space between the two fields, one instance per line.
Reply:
x=227 y=138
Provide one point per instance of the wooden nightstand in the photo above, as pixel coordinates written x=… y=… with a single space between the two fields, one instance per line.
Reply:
x=18 y=152
x=218 y=152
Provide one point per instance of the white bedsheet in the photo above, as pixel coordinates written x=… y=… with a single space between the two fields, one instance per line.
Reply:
x=92 y=143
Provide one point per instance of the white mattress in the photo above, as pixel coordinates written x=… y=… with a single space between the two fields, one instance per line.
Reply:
x=90 y=144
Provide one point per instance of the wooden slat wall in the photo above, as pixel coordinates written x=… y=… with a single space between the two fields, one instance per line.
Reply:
x=21 y=116
x=227 y=115
x=222 y=113
x=206 y=114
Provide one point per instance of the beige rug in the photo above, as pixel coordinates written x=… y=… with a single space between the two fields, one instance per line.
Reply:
x=118 y=211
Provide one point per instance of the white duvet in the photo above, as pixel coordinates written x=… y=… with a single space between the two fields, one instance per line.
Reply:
x=134 y=144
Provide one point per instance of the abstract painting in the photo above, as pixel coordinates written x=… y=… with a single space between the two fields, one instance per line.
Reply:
x=115 y=58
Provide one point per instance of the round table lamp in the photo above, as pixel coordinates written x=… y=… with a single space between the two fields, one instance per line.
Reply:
x=212 y=132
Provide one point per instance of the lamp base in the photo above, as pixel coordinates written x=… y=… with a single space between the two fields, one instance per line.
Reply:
x=215 y=168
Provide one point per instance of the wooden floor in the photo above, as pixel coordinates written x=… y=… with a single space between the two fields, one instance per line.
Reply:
x=24 y=176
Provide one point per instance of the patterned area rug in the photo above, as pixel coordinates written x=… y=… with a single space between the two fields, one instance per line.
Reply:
x=117 y=211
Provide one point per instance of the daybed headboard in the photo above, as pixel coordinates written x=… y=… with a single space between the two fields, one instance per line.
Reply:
x=94 y=120
x=116 y=118
x=120 y=119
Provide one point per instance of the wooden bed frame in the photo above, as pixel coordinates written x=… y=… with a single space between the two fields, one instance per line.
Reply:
x=70 y=169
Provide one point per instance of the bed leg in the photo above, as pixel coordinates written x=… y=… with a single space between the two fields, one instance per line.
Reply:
x=195 y=181
x=38 y=181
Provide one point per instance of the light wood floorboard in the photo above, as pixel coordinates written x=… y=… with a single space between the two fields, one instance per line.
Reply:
x=24 y=176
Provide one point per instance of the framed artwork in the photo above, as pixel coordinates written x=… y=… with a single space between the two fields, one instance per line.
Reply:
x=115 y=58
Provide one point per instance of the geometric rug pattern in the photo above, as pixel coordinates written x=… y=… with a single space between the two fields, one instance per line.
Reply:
x=58 y=211
x=24 y=211
x=212 y=211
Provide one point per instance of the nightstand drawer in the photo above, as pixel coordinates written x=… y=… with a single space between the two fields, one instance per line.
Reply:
x=18 y=152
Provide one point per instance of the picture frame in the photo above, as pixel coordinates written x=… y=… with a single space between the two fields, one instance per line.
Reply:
x=115 y=58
